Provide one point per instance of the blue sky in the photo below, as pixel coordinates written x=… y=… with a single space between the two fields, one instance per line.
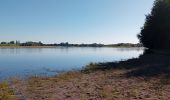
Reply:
x=75 y=21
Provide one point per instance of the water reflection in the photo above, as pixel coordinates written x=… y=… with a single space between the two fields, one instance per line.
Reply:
x=30 y=61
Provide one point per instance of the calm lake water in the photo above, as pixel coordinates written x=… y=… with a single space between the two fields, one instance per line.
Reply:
x=49 y=61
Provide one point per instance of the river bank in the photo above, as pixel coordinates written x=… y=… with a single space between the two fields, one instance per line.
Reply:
x=146 y=77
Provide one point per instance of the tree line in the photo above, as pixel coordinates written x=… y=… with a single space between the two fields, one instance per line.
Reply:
x=66 y=44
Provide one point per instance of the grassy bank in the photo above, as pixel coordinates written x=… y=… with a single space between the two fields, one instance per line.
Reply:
x=146 y=78
x=6 y=93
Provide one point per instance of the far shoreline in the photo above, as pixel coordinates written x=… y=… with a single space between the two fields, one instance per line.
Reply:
x=68 y=46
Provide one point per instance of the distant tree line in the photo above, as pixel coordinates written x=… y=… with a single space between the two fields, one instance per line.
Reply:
x=125 y=45
x=10 y=43
x=66 y=44
x=30 y=43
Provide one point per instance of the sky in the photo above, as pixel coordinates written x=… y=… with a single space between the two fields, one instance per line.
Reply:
x=73 y=21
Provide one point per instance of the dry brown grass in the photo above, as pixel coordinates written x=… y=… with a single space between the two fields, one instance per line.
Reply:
x=6 y=93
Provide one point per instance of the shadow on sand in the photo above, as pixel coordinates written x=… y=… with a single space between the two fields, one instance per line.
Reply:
x=147 y=65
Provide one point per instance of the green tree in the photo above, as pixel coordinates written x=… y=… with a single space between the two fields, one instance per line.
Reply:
x=3 y=42
x=155 y=34
x=12 y=42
